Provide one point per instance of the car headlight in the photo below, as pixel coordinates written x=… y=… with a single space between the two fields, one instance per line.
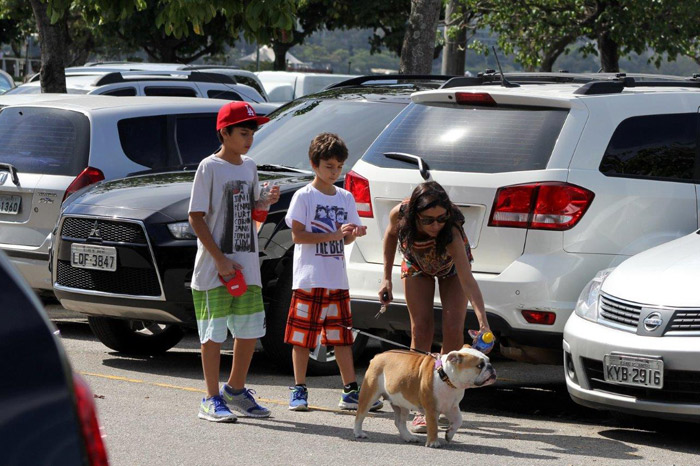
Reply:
x=587 y=304
x=181 y=230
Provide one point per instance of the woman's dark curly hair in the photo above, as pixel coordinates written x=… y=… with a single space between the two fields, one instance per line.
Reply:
x=428 y=195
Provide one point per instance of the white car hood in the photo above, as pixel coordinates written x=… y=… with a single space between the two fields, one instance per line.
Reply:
x=667 y=275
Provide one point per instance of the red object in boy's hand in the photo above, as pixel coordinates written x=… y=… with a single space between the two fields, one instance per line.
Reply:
x=235 y=285
x=259 y=215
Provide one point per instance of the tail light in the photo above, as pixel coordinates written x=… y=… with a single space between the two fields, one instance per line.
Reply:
x=359 y=188
x=87 y=177
x=539 y=317
x=95 y=447
x=475 y=98
x=540 y=206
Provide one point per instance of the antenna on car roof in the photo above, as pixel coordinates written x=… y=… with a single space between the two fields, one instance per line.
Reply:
x=504 y=81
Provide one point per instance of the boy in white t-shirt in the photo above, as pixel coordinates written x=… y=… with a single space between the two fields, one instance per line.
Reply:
x=320 y=307
x=225 y=200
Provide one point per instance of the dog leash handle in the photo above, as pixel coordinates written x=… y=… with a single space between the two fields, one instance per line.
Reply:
x=382 y=308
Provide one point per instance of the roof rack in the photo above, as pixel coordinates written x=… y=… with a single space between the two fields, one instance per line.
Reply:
x=592 y=83
x=491 y=77
x=360 y=80
x=621 y=81
x=193 y=76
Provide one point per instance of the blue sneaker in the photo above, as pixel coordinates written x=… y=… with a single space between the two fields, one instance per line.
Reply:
x=350 y=399
x=298 y=399
x=214 y=409
x=243 y=402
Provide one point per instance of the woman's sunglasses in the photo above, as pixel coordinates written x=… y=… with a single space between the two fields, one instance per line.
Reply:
x=430 y=220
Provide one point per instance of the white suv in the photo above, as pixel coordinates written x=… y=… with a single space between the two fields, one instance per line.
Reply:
x=559 y=177
x=160 y=83
x=51 y=149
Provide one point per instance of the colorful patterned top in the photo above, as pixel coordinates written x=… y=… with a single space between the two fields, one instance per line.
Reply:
x=423 y=260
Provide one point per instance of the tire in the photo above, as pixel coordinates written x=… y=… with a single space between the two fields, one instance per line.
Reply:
x=135 y=336
x=322 y=359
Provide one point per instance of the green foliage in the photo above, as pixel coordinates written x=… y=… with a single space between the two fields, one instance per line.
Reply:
x=539 y=31
x=386 y=18
x=256 y=19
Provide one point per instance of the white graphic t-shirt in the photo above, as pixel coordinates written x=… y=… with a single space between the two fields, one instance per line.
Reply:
x=321 y=265
x=226 y=193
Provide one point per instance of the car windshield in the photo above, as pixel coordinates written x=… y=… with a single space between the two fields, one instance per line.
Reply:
x=286 y=138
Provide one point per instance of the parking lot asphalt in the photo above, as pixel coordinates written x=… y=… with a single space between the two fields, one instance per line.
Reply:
x=148 y=410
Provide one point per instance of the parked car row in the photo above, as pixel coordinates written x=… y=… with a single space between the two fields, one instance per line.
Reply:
x=559 y=176
x=139 y=299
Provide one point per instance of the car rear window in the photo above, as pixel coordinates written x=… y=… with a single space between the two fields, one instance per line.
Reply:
x=453 y=137
x=44 y=140
x=163 y=141
x=285 y=140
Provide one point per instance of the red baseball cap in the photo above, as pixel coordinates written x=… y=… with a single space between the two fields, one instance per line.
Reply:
x=237 y=112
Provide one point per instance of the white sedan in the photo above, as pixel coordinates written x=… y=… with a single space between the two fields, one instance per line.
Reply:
x=633 y=342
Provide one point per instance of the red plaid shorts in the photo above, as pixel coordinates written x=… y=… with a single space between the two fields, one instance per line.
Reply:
x=319 y=315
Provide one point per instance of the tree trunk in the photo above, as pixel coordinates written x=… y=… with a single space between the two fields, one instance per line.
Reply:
x=52 y=39
x=454 y=52
x=419 y=40
x=280 y=49
x=609 y=53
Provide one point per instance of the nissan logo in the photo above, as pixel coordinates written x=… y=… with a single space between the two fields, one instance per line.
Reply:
x=653 y=321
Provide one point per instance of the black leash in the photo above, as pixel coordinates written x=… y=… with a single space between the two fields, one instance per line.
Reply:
x=352 y=329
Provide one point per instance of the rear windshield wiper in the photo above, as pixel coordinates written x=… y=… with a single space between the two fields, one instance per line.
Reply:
x=13 y=172
x=268 y=167
x=410 y=158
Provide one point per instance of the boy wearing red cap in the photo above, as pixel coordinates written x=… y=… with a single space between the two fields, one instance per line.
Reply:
x=225 y=193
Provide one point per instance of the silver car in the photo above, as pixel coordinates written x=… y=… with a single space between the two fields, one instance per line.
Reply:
x=633 y=342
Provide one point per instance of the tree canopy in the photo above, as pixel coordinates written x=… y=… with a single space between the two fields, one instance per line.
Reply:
x=539 y=31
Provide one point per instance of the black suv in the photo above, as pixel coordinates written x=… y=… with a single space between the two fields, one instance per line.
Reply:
x=137 y=294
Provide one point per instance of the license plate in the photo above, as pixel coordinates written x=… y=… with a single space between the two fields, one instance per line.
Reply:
x=93 y=257
x=9 y=204
x=633 y=370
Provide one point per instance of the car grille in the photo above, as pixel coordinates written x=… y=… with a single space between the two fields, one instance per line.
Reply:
x=125 y=280
x=118 y=232
x=685 y=321
x=135 y=277
x=679 y=386
x=618 y=312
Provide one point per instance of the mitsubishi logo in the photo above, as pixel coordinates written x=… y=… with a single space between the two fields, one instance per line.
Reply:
x=95 y=231
x=653 y=321
x=3 y=178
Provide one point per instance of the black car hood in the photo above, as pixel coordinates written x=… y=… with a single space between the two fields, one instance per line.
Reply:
x=166 y=193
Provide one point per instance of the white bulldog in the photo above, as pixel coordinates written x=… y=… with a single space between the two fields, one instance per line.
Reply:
x=432 y=385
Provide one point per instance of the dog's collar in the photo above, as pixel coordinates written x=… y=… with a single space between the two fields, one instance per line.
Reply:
x=442 y=374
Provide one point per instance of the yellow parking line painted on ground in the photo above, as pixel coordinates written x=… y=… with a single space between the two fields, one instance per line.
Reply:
x=198 y=390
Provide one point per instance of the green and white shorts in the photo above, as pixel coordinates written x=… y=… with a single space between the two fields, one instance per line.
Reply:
x=216 y=310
